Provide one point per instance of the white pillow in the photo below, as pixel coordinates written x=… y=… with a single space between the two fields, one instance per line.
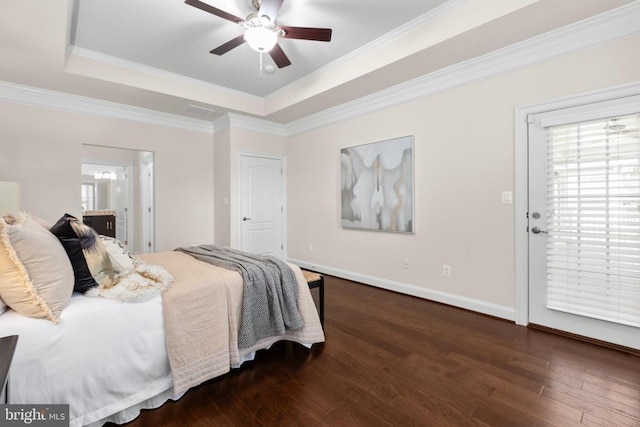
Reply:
x=118 y=253
x=36 y=277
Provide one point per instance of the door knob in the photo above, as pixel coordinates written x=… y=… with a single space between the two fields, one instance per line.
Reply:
x=244 y=218
x=536 y=230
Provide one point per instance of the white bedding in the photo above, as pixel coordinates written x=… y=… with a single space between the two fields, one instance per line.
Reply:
x=121 y=342
x=109 y=359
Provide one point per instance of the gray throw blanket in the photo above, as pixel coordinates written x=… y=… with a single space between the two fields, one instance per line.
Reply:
x=270 y=293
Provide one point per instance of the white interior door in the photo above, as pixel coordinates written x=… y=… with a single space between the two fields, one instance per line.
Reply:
x=261 y=205
x=584 y=221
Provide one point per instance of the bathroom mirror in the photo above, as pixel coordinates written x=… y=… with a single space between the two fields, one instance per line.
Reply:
x=117 y=195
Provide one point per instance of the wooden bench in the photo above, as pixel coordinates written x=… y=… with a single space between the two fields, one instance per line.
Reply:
x=316 y=280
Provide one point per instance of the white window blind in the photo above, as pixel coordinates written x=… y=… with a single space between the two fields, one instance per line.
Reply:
x=593 y=214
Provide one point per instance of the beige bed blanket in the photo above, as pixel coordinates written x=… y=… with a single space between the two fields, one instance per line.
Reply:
x=202 y=310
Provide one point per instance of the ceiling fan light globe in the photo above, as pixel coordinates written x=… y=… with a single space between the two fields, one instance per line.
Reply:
x=260 y=39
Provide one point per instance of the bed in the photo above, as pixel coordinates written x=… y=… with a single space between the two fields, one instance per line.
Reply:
x=109 y=359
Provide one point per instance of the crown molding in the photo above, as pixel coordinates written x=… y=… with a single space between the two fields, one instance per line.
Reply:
x=37 y=97
x=607 y=27
x=238 y=121
x=221 y=123
x=421 y=20
x=156 y=72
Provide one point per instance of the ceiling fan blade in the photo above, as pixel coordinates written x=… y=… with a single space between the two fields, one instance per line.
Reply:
x=214 y=10
x=279 y=57
x=270 y=8
x=304 y=33
x=222 y=49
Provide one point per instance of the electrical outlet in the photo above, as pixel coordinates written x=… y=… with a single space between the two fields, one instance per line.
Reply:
x=405 y=263
x=446 y=270
x=310 y=247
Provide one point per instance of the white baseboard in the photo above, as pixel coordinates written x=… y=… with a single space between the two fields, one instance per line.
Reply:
x=483 y=307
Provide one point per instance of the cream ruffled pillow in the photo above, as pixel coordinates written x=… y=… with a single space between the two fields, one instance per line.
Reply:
x=36 y=278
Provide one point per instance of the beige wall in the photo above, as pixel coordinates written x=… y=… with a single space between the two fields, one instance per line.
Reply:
x=464 y=159
x=222 y=187
x=41 y=150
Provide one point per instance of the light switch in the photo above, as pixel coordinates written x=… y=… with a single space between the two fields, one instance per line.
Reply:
x=507 y=198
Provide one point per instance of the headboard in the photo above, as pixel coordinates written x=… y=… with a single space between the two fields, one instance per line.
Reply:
x=9 y=197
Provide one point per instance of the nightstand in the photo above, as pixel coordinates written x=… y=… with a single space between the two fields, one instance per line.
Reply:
x=7 y=349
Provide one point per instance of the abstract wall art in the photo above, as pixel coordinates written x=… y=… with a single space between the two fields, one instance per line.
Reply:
x=377 y=186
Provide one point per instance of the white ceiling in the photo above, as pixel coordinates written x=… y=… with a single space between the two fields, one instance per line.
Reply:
x=172 y=36
x=155 y=53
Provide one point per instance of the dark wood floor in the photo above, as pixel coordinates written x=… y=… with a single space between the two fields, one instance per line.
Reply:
x=396 y=360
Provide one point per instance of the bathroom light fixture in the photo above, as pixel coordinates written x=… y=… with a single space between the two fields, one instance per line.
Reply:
x=105 y=175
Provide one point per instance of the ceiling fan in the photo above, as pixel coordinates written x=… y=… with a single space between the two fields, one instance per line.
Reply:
x=261 y=31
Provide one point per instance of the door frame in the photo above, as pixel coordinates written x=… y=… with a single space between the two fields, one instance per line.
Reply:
x=147 y=193
x=127 y=170
x=238 y=205
x=521 y=197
